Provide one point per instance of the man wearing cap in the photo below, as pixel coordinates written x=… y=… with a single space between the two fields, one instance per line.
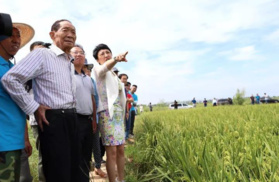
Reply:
x=98 y=148
x=115 y=70
x=12 y=118
x=54 y=101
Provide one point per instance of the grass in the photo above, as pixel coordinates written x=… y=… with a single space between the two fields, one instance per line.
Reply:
x=34 y=158
x=228 y=143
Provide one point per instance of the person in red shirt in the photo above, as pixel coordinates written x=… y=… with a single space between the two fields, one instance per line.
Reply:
x=124 y=79
x=129 y=96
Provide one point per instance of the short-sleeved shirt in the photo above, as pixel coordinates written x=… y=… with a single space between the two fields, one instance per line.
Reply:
x=12 y=118
x=135 y=97
x=84 y=92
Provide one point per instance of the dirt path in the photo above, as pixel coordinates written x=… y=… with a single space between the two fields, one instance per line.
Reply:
x=97 y=178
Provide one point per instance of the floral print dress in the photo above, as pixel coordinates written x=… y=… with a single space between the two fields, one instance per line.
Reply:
x=112 y=130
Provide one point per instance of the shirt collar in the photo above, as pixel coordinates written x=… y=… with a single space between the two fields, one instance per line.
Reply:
x=82 y=72
x=59 y=52
x=5 y=62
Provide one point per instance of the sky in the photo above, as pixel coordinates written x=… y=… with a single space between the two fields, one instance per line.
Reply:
x=178 y=49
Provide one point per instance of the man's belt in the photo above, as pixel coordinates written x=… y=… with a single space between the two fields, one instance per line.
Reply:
x=61 y=111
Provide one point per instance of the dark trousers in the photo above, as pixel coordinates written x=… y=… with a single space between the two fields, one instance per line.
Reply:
x=133 y=115
x=127 y=127
x=102 y=147
x=86 y=144
x=97 y=148
x=59 y=146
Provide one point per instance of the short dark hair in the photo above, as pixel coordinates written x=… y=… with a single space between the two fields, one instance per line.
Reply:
x=128 y=83
x=47 y=45
x=37 y=43
x=98 y=48
x=122 y=74
x=56 y=25
x=135 y=86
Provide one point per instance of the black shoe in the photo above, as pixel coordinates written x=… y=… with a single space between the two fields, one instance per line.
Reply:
x=103 y=161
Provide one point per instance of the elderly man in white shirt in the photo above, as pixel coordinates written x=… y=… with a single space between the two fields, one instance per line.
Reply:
x=53 y=103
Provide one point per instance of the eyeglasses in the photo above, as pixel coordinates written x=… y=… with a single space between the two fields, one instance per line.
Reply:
x=78 y=52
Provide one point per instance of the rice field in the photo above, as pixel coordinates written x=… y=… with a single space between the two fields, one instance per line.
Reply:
x=224 y=143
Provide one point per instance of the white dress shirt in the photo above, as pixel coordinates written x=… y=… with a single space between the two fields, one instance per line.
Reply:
x=53 y=80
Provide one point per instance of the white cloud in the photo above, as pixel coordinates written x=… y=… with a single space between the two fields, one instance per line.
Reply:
x=145 y=25
x=150 y=29
x=242 y=54
x=273 y=37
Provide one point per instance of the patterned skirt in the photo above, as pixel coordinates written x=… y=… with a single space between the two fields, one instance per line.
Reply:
x=112 y=130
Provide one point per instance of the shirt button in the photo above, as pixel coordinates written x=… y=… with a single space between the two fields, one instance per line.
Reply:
x=62 y=111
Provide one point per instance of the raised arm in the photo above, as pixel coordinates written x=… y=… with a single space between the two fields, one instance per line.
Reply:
x=100 y=71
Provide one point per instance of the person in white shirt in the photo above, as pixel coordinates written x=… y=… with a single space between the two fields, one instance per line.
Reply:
x=54 y=101
x=111 y=109
x=141 y=108
x=214 y=102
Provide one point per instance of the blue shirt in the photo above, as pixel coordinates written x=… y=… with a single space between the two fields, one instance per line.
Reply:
x=135 y=97
x=12 y=118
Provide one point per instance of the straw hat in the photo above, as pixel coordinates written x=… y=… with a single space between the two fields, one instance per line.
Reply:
x=26 y=33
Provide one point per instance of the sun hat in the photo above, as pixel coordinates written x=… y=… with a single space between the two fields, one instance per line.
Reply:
x=26 y=33
x=6 y=27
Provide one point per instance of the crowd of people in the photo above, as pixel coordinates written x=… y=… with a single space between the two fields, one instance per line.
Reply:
x=229 y=101
x=71 y=114
x=257 y=98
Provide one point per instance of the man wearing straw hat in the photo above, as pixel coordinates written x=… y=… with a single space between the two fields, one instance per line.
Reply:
x=54 y=101
x=13 y=36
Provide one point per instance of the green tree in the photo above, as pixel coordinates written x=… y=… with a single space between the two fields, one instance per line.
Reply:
x=238 y=98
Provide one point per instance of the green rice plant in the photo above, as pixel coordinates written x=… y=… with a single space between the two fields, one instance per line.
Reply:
x=228 y=143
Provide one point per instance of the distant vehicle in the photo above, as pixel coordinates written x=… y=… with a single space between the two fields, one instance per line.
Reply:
x=224 y=101
x=270 y=100
x=181 y=106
